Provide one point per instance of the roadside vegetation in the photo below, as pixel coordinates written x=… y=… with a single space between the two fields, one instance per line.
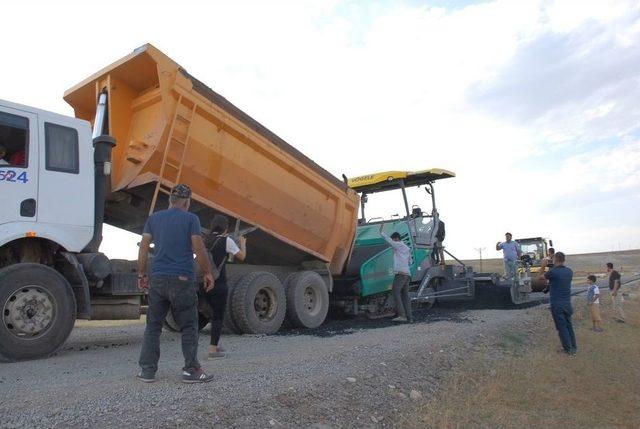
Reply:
x=522 y=381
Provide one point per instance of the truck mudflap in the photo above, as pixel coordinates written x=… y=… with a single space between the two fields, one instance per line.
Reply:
x=74 y=273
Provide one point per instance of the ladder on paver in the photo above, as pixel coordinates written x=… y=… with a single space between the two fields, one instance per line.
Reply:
x=176 y=147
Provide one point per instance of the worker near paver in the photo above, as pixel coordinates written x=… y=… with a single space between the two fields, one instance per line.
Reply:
x=175 y=234
x=220 y=245
x=402 y=275
x=511 y=255
x=548 y=261
x=439 y=248
x=560 y=278
x=616 y=295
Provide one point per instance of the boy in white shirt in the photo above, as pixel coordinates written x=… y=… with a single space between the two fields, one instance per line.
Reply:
x=593 y=303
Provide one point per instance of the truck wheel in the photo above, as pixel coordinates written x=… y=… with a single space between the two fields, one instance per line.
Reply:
x=38 y=311
x=171 y=324
x=307 y=299
x=228 y=323
x=258 y=303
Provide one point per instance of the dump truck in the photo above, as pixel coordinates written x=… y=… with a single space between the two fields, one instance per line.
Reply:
x=144 y=124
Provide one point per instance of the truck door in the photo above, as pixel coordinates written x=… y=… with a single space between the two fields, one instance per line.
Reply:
x=18 y=165
x=66 y=196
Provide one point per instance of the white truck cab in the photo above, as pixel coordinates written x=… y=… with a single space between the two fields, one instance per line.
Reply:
x=54 y=175
x=46 y=177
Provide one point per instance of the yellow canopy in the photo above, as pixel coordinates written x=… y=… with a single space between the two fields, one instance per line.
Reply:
x=391 y=179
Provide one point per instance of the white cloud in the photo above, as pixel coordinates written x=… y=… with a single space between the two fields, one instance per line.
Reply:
x=362 y=87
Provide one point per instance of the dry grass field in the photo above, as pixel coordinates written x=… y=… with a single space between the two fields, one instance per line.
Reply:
x=531 y=385
x=627 y=262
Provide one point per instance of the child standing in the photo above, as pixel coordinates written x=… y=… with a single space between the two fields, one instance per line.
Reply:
x=593 y=303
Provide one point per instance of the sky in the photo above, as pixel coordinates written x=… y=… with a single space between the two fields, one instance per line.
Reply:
x=532 y=103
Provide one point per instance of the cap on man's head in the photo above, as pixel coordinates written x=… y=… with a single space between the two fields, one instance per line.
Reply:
x=181 y=191
x=395 y=235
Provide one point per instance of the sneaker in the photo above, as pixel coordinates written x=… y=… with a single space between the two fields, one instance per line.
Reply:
x=215 y=355
x=620 y=320
x=221 y=349
x=197 y=376
x=146 y=377
x=399 y=319
x=599 y=330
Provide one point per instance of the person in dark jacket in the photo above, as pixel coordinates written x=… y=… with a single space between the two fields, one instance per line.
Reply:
x=221 y=246
x=560 y=278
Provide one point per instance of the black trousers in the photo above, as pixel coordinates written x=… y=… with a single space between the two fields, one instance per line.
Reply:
x=217 y=299
x=401 y=295
x=170 y=293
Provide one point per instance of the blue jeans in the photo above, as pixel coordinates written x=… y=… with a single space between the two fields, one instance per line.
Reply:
x=562 y=318
x=169 y=292
x=510 y=269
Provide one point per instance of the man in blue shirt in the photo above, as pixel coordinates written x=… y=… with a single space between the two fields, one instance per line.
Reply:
x=560 y=278
x=176 y=236
x=511 y=255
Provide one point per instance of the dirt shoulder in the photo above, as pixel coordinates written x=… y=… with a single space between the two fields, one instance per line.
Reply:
x=347 y=374
x=524 y=382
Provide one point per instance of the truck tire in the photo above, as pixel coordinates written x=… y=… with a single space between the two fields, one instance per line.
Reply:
x=307 y=299
x=171 y=324
x=259 y=303
x=228 y=323
x=38 y=311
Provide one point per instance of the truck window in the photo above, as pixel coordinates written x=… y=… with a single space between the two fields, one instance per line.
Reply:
x=14 y=140
x=61 y=148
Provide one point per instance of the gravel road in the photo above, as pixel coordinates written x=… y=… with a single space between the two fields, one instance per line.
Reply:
x=346 y=374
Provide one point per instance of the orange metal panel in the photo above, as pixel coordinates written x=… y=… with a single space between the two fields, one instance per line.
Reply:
x=232 y=163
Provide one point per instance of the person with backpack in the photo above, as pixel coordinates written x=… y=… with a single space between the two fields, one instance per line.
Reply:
x=220 y=246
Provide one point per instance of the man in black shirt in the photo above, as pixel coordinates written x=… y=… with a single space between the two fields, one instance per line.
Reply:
x=616 y=294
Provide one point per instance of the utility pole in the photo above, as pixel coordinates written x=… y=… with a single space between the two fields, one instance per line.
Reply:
x=480 y=249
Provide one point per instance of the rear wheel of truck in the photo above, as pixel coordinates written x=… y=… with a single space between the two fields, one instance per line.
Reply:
x=228 y=322
x=258 y=303
x=38 y=311
x=307 y=299
x=171 y=324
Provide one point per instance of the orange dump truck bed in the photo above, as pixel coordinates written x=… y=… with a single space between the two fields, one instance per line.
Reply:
x=170 y=128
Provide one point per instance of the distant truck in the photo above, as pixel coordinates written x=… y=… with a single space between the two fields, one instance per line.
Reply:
x=154 y=125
